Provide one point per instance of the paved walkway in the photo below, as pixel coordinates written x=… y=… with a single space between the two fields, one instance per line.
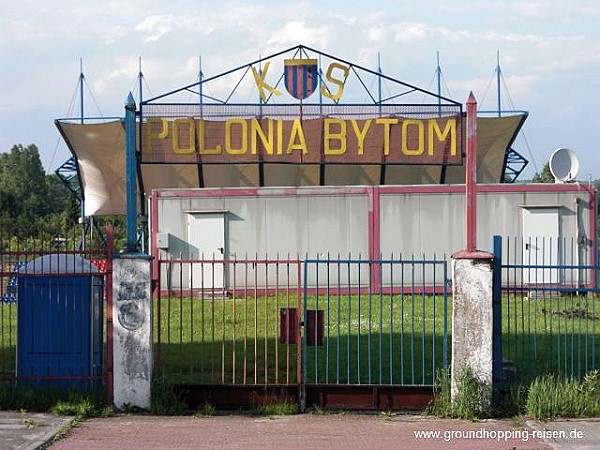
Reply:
x=304 y=431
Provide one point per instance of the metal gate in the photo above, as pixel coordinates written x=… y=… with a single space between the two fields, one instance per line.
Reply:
x=375 y=331
x=232 y=342
x=348 y=333
x=56 y=313
x=548 y=308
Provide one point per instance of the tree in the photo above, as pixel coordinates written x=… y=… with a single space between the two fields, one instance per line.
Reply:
x=545 y=176
x=22 y=183
x=32 y=202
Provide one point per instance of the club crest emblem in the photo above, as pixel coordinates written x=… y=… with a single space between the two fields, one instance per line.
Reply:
x=301 y=77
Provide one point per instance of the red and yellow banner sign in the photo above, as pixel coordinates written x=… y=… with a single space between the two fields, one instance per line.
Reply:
x=381 y=140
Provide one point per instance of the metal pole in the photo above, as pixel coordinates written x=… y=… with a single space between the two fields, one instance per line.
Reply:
x=379 y=82
x=498 y=75
x=82 y=219
x=81 y=81
x=438 y=72
x=471 y=174
x=497 y=320
x=130 y=173
x=140 y=79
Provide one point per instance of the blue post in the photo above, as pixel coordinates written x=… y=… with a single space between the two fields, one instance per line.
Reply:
x=130 y=174
x=497 y=319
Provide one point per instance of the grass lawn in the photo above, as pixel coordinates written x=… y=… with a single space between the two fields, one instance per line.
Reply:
x=378 y=339
x=551 y=334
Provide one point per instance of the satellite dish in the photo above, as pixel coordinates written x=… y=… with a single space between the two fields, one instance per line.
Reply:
x=564 y=165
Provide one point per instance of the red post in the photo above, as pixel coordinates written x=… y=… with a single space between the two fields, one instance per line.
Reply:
x=471 y=174
x=108 y=290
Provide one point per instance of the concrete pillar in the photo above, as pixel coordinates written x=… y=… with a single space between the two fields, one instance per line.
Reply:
x=132 y=330
x=472 y=320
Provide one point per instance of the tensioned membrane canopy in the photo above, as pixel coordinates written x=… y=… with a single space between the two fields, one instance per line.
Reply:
x=99 y=151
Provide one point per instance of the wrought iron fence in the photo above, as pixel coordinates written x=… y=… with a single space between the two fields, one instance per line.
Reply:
x=550 y=308
x=381 y=322
x=287 y=321
x=55 y=312
x=231 y=322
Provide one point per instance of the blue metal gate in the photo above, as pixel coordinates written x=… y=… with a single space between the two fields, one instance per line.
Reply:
x=549 y=312
x=371 y=326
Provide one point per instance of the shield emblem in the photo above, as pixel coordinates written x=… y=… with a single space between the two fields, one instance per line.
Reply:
x=301 y=77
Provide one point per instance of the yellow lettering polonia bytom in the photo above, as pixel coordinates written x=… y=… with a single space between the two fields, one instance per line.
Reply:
x=418 y=138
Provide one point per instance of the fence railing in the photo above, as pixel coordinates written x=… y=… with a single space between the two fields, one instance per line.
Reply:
x=54 y=313
x=379 y=322
x=232 y=322
x=550 y=308
x=287 y=321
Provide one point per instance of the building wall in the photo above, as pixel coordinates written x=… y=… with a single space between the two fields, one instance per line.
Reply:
x=369 y=222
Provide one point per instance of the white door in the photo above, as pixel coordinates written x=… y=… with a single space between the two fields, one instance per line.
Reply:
x=206 y=238
x=541 y=244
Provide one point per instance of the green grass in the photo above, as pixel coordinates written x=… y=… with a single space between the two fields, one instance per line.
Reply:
x=277 y=409
x=67 y=402
x=469 y=401
x=546 y=397
x=366 y=339
x=551 y=396
x=551 y=334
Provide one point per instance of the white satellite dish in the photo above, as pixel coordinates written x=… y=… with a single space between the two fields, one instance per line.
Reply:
x=564 y=165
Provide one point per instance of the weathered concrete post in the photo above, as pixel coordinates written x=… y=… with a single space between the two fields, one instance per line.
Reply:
x=132 y=330
x=132 y=297
x=472 y=318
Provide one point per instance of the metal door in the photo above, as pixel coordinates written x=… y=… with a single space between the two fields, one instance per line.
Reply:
x=206 y=237
x=541 y=238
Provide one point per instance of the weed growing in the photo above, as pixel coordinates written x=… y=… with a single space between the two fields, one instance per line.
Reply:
x=164 y=400
x=469 y=401
x=64 y=402
x=277 y=409
x=546 y=397
x=552 y=396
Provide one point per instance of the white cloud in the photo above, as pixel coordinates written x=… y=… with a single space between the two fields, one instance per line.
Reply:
x=298 y=32
x=157 y=26
x=410 y=31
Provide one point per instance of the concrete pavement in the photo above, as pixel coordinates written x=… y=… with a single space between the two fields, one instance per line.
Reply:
x=29 y=431
x=25 y=431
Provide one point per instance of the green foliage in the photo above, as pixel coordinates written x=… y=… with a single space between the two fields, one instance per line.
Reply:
x=164 y=400
x=277 y=409
x=545 y=176
x=547 y=397
x=469 y=401
x=31 y=202
x=68 y=402
x=208 y=410
x=552 y=396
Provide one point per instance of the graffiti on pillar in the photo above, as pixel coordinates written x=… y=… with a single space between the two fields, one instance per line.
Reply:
x=131 y=315
x=130 y=301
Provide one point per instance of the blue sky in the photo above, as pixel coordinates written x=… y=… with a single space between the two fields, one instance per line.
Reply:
x=549 y=54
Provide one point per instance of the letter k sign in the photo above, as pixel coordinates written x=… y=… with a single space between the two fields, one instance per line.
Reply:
x=261 y=84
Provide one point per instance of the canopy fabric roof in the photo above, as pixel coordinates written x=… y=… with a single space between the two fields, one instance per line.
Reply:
x=99 y=151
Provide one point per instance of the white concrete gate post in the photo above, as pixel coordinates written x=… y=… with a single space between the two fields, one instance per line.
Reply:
x=472 y=320
x=132 y=330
